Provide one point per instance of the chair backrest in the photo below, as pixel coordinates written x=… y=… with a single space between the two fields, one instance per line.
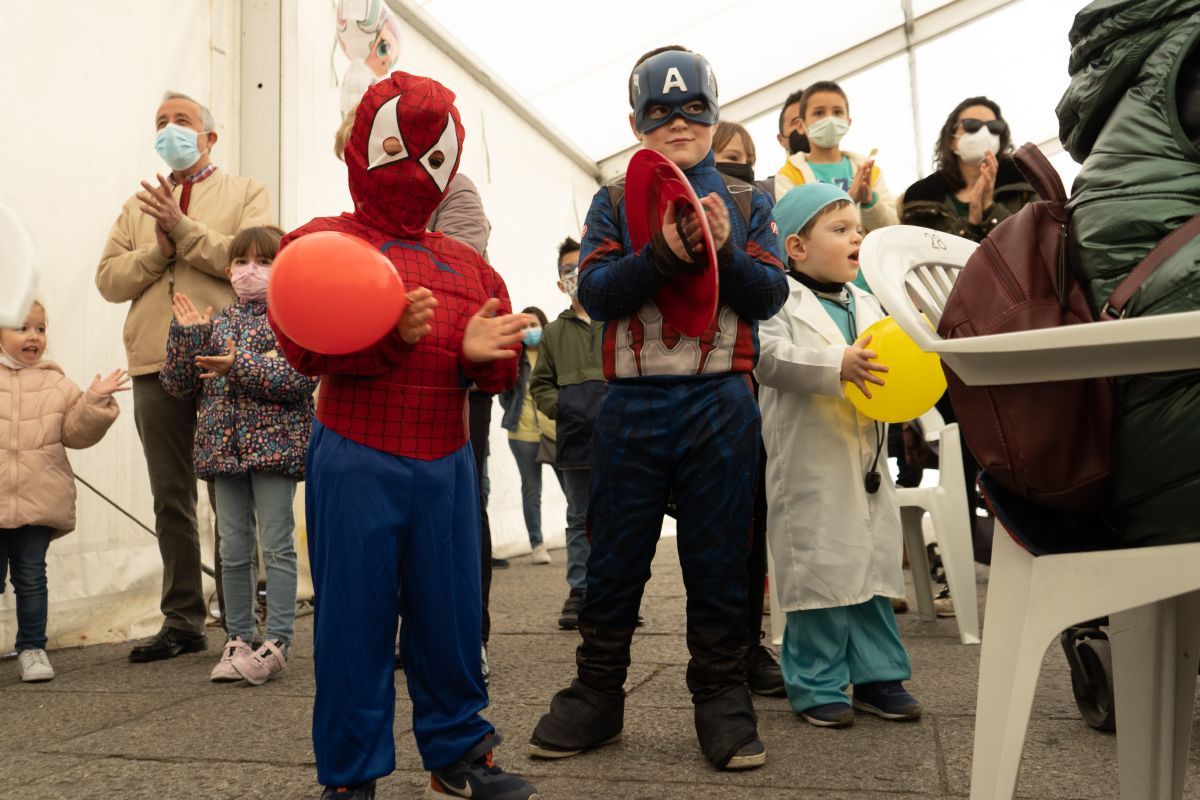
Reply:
x=912 y=270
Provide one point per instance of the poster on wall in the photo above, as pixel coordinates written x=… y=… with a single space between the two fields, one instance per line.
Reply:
x=368 y=34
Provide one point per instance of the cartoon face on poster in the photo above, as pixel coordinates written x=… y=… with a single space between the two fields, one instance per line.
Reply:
x=369 y=36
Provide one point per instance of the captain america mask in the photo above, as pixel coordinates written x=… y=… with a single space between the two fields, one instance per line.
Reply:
x=677 y=80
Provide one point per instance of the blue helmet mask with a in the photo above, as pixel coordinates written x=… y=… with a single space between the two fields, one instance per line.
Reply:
x=673 y=78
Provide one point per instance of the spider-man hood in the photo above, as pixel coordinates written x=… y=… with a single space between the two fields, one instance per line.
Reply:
x=403 y=151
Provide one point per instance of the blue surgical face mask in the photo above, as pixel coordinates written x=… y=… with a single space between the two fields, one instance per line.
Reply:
x=533 y=337
x=177 y=146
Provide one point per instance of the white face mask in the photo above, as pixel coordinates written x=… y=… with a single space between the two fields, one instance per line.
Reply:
x=827 y=132
x=973 y=147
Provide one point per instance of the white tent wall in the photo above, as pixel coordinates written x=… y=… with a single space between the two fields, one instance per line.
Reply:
x=77 y=137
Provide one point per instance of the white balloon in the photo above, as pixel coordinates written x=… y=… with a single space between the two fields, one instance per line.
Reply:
x=18 y=270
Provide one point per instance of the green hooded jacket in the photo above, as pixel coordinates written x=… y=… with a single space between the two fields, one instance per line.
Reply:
x=1140 y=180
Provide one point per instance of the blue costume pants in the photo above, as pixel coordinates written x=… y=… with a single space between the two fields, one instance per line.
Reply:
x=390 y=537
x=826 y=649
x=698 y=439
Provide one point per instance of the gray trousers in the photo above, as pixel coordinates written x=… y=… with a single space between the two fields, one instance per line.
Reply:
x=167 y=426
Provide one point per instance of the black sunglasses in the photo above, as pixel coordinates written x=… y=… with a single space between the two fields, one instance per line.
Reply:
x=996 y=126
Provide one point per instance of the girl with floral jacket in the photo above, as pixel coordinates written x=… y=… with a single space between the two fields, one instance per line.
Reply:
x=252 y=434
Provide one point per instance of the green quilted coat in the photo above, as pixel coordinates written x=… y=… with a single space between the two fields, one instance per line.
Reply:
x=1140 y=180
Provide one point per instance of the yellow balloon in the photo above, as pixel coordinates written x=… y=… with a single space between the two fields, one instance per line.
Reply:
x=914 y=380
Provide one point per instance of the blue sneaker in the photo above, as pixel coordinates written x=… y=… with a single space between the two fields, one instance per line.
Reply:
x=887 y=700
x=475 y=775
x=830 y=715
x=363 y=791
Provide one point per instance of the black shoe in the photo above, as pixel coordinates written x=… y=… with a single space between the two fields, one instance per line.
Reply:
x=499 y=563
x=749 y=756
x=168 y=643
x=580 y=719
x=475 y=775
x=763 y=673
x=363 y=791
x=569 y=620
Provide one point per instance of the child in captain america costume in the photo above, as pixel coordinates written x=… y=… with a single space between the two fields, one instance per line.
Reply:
x=680 y=418
x=392 y=504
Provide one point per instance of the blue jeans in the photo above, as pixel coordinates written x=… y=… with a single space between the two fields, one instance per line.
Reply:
x=25 y=550
x=577 y=486
x=240 y=498
x=525 y=454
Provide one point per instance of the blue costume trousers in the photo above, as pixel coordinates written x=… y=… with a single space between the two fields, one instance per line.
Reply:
x=826 y=649
x=390 y=537
x=698 y=439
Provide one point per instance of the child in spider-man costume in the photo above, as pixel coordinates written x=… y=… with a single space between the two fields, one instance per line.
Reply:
x=391 y=503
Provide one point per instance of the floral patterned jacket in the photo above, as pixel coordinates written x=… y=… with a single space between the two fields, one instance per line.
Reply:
x=259 y=416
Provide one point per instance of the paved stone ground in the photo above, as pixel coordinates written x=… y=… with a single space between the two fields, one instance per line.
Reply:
x=109 y=728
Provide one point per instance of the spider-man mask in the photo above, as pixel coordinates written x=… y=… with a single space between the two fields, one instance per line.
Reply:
x=403 y=151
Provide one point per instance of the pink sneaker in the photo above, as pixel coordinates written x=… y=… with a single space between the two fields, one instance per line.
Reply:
x=261 y=666
x=224 y=672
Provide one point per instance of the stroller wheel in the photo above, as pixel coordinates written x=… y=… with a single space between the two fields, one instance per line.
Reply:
x=1089 y=654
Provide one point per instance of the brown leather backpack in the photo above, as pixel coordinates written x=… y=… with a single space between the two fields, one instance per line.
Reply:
x=1051 y=443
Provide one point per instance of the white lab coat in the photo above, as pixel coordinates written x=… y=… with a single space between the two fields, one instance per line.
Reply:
x=832 y=543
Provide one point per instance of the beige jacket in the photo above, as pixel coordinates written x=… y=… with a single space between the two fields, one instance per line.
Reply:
x=796 y=171
x=131 y=267
x=41 y=413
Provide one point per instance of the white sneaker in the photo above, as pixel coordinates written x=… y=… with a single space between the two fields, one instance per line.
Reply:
x=35 y=666
x=540 y=556
x=259 y=667
x=224 y=672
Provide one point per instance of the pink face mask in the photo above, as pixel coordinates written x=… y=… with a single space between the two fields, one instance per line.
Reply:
x=250 y=281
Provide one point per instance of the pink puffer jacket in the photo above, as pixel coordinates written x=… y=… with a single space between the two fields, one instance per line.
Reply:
x=41 y=413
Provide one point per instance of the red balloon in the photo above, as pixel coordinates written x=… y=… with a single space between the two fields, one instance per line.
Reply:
x=334 y=293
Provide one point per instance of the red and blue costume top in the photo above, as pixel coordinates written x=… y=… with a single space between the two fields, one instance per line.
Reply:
x=617 y=285
x=408 y=400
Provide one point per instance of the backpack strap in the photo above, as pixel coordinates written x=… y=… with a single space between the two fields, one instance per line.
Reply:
x=1040 y=173
x=1171 y=244
x=742 y=194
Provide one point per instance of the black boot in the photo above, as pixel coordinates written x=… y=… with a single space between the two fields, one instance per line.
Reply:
x=727 y=728
x=591 y=711
x=569 y=620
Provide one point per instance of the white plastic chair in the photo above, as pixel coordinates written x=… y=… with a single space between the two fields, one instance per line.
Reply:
x=1152 y=595
x=950 y=517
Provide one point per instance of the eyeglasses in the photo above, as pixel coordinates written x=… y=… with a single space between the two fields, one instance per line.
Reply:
x=996 y=126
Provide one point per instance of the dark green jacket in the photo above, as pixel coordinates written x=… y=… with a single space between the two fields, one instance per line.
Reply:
x=1140 y=180
x=929 y=203
x=568 y=384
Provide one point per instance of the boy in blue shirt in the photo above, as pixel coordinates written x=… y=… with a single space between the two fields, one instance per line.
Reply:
x=679 y=418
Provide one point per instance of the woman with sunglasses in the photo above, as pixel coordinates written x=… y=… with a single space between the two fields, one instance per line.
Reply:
x=976 y=183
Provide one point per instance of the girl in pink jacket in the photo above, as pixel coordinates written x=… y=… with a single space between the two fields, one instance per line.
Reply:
x=42 y=412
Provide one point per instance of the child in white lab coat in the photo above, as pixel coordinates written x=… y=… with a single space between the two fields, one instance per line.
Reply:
x=833 y=521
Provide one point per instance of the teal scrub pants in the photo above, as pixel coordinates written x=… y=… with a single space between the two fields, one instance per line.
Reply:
x=826 y=649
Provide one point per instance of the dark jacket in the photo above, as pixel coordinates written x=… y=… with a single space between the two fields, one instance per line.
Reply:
x=929 y=203
x=259 y=416
x=568 y=384
x=513 y=400
x=1140 y=180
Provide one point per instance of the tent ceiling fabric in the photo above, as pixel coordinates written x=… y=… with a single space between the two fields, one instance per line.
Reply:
x=573 y=69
